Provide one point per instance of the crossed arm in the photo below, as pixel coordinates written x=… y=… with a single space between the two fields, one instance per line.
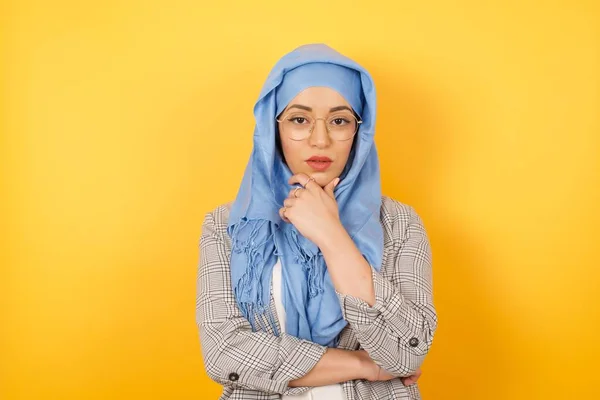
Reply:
x=395 y=329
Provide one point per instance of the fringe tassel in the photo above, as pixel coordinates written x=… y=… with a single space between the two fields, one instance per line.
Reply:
x=252 y=306
x=312 y=264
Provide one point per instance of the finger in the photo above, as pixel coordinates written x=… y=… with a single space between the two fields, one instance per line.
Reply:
x=409 y=380
x=289 y=202
x=416 y=375
x=386 y=376
x=330 y=186
x=296 y=192
x=300 y=179
x=282 y=214
x=306 y=181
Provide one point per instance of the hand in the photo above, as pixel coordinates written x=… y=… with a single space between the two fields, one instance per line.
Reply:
x=371 y=371
x=312 y=209
x=409 y=380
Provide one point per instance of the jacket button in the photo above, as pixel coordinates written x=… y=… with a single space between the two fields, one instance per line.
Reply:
x=414 y=342
x=233 y=377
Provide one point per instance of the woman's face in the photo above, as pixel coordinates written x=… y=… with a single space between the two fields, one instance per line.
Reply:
x=318 y=103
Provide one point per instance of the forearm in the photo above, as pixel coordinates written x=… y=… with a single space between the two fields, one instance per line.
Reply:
x=395 y=333
x=349 y=271
x=335 y=366
x=398 y=328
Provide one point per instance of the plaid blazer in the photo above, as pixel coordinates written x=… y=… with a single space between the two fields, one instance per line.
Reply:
x=397 y=331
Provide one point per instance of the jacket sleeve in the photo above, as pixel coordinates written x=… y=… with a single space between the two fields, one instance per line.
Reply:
x=233 y=354
x=397 y=331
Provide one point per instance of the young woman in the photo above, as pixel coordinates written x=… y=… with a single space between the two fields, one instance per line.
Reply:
x=311 y=284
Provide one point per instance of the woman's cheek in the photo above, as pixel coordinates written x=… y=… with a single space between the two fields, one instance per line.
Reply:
x=292 y=153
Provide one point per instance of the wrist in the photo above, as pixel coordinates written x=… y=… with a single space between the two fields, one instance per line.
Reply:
x=364 y=365
x=332 y=237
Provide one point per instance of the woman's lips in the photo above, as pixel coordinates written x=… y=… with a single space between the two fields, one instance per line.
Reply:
x=319 y=163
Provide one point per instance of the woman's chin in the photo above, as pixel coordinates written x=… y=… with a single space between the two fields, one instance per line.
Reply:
x=322 y=178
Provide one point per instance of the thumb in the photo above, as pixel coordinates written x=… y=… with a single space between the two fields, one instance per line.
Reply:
x=330 y=186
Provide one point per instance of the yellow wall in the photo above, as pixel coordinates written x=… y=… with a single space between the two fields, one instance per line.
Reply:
x=123 y=122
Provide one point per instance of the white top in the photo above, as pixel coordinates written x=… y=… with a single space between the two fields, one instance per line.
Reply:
x=329 y=392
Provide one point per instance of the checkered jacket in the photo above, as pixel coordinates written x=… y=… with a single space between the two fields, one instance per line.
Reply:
x=397 y=331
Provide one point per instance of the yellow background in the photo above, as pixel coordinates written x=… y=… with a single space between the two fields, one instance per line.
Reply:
x=124 y=122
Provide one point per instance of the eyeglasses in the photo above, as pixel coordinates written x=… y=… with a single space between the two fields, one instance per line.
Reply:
x=299 y=125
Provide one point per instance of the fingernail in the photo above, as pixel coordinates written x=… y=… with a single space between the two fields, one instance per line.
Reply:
x=337 y=180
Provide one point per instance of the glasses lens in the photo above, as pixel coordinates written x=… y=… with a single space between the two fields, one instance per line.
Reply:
x=297 y=125
x=342 y=126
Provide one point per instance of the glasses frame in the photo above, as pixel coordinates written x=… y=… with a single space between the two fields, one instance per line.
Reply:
x=356 y=117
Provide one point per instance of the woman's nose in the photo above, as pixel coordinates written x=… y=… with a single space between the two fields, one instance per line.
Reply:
x=319 y=136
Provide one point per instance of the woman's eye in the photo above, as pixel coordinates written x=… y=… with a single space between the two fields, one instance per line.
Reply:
x=298 y=120
x=340 y=121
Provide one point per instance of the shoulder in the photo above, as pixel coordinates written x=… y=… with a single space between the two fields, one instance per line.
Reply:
x=396 y=218
x=217 y=219
x=393 y=210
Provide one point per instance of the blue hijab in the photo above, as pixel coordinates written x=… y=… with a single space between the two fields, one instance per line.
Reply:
x=258 y=234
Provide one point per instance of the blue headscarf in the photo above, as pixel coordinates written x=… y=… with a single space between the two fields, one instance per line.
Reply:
x=258 y=234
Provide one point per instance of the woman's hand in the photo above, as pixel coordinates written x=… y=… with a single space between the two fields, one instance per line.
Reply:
x=374 y=373
x=312 y=209
x=409 y=380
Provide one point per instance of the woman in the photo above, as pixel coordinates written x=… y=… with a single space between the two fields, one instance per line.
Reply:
x=311 y=285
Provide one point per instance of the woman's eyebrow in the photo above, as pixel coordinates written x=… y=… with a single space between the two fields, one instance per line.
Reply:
x=340 y=108
x=333 y=109
x=300 y=106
